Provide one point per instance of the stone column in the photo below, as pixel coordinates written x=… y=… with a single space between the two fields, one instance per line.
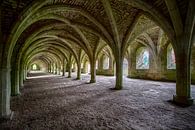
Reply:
x=119 y=72
x=63 y=69
x=93 y=71
x=5 y=93
x=183 y=79
x=21 y=78
x=56 y=70
x=100 y=63
x=48 y=69
x=15 y=87
x=79 y=71
x=129 y=67
x=185 y=40
x=53 y=69
x=132 y=64
x=59 y=70
x=110 y=63
x=69 y=69
x=25 y=74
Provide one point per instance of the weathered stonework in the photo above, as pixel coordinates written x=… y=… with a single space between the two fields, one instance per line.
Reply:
x=64 y=34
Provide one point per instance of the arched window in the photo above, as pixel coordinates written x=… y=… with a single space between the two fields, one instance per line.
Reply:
x=34 y=67
x=170 y=58
x=106 y=62
x=142 y=58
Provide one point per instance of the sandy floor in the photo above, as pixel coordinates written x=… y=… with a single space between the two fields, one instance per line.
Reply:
x=59 y=103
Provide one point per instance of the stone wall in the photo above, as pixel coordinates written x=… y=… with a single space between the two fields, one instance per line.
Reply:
x=162 y=73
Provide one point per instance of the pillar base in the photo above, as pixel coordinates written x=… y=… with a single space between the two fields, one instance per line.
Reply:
x=117 y=88
x=69 y=77
x=78 y=78
x=182 y=100
x=92 y=81
x=7 y=117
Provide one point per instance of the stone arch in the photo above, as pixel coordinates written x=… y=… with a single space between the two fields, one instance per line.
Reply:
x=13 y=40
x=44 y=10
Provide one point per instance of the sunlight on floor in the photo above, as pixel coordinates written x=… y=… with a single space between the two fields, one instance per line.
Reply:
x=40 y=76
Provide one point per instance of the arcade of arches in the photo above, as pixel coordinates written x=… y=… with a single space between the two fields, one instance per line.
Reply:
x=124 y=39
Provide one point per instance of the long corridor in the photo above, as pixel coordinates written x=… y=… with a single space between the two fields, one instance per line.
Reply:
x=58 y=103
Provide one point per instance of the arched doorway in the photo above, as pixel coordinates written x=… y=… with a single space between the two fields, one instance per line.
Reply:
x=35 y=67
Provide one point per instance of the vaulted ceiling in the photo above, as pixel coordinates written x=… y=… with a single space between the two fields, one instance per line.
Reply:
x=76 y=25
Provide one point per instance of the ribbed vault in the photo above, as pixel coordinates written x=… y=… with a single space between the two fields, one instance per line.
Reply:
x=64 y=33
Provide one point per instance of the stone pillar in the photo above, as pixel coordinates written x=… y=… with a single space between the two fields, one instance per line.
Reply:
x=53 y=69
x=15 y=87
x=63 y=69
x=59 y=70
x=56 y=70
x=79 y=71
x=119 y=72
x=183 y=58
x=132 y=64
x=48 y=69
x=25 y=74
x=21 y=78
x=69 y=69
x=183 y=79
x=5 y=93
x=159 y=66
x=110 y=63
x=93 y=71
x=129 y=67
x=100 y=63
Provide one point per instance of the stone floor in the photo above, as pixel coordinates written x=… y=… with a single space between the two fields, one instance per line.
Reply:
x=59 y=103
